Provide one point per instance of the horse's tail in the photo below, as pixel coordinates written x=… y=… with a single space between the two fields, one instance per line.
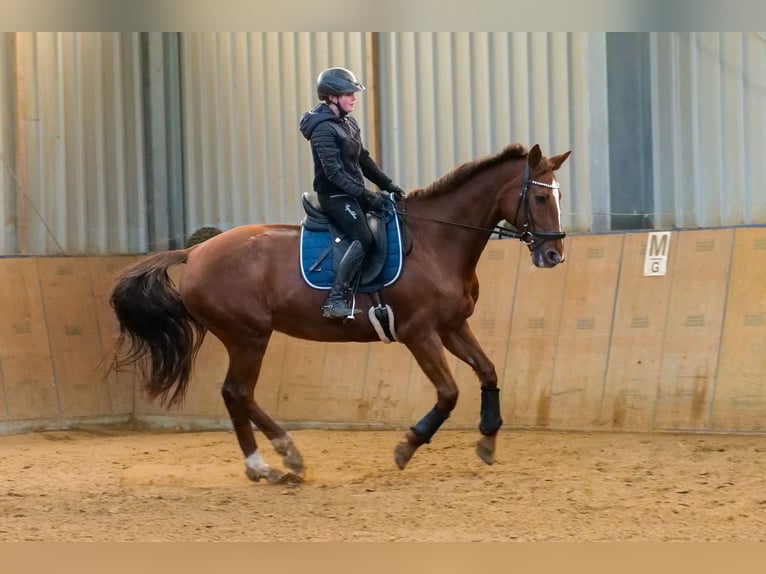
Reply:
x=161 y=336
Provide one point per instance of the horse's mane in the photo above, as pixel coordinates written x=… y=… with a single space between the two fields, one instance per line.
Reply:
x=466 y=171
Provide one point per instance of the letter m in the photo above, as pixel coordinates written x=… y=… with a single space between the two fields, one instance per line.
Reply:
x=658 y=244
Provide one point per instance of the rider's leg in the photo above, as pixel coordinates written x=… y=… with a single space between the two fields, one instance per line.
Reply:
x=350 y=218
x=337 y=305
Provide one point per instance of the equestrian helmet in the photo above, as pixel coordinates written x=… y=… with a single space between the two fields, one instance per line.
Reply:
x=337 y=81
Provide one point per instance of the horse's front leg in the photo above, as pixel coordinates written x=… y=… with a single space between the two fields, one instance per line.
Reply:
x=463 y=344
x=429 y=353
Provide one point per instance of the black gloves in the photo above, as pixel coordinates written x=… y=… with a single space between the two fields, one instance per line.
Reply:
x=396 y=191
x=373 y=200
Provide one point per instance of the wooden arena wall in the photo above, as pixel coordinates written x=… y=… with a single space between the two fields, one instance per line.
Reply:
x=592 y=344
x=56 y=332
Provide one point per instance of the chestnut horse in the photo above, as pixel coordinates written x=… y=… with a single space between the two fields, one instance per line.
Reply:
x=245 y=283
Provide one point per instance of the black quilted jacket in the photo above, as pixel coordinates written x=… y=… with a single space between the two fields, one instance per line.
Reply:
x=341 y=161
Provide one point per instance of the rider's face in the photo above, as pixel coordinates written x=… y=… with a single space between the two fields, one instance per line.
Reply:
x=346 y=102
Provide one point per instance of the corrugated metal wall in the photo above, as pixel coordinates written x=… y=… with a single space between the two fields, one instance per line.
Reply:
x=7 y=147
x=82 y=171
x=709 y=114
x=447 y=98
x=79 y=144
x=243 y=94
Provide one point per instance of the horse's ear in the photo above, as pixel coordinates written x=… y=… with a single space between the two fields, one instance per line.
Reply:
x=556 y=161
x=535 y=157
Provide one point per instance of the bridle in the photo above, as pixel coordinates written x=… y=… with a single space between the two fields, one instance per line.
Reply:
x=527 y=235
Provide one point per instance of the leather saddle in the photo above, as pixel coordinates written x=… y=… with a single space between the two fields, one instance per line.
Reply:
x=316 y=220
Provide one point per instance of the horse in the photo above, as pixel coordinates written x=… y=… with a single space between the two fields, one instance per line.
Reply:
x=243 y=284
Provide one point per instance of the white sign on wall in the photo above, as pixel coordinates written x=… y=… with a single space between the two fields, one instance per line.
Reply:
x=657 y=247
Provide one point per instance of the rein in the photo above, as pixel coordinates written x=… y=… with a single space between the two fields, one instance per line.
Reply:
x=527 y=236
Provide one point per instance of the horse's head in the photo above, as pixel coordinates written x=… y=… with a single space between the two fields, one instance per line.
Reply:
x=538 y=209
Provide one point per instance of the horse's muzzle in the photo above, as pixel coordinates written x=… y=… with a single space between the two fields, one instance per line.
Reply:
x=546 y=257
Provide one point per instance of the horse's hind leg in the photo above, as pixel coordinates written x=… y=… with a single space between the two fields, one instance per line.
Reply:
x=463 y=344
x=282 y=443
x=244 y=367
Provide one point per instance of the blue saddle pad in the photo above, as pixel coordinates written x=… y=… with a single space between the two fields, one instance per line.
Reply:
x=315 y=243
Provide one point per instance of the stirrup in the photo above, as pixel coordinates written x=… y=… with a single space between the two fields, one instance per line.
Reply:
x=339 y=309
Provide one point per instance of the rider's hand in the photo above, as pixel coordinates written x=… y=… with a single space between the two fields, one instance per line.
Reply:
x=396 y=191
x=373 y=200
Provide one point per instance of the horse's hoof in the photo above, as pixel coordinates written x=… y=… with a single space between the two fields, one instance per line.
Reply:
x=291 y=458
x=485 y=448
x=289 y=478
x=404 y=450
x=273 y=476
x=402 y=454
x=293 y=461
x=257 y=475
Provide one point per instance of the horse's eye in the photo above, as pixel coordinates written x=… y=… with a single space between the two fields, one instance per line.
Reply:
x=540 y=199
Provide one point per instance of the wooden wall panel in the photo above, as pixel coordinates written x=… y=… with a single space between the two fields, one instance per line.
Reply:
x=584 y=334
x=300 y=387
x=635 y=355
x=530 y=358
x=270 y=378
x=341 y=383
x=740 y=397
x=580 y=346
x=75 y=342
x=204 y=394
x=693 y=331
x=29 y=385
x=390 y=394
x=4 y=416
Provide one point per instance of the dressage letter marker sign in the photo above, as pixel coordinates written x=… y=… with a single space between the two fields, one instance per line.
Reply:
x=656 y=260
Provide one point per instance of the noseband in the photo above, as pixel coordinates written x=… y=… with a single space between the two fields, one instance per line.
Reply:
x=527 y=236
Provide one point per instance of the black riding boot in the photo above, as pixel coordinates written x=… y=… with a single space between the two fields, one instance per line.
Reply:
x=336 y=306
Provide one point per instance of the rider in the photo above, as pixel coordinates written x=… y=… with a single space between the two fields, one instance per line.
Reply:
x=341 y=163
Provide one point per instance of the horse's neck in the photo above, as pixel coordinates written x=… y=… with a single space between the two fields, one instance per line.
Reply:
x=466 y=215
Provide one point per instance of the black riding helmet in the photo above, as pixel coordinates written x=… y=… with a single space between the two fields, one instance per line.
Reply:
x=337 y=81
